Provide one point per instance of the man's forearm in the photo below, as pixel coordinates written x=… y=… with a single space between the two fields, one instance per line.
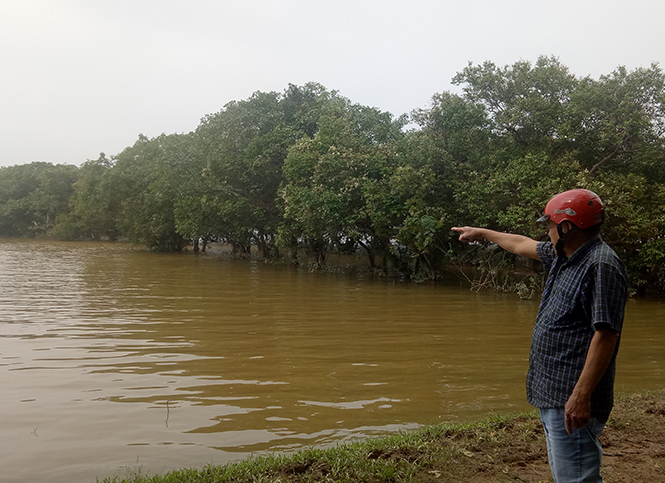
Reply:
x=519 y=244
x=598 y=358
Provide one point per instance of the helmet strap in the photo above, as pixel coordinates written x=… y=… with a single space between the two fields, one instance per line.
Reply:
x=561 y=242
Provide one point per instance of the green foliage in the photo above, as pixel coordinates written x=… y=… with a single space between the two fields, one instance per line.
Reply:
x=94 y=206
x=309 y=171
x=614 y=121
x=244 y=147
x=551 y=132
x=148 y=178
x=525 y=103
x=331 y=185
x=32 y=196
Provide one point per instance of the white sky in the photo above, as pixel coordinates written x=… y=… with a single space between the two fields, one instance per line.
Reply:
x=80 y=77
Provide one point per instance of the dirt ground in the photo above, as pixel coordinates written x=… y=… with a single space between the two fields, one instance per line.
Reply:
x=633 y=443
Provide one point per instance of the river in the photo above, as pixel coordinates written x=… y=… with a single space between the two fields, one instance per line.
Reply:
x=117 y=360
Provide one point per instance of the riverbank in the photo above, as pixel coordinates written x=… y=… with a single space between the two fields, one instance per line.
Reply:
x=499 y=449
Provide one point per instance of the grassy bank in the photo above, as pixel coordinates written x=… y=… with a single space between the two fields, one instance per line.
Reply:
x=498 y=449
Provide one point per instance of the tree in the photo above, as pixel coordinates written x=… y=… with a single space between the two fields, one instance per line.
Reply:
x=150 y=177
x=94 y=206
x=32 y=196
x=524 y=103
x=552 y=132
x=615 y=120
x=244 y=147
x=331 y=180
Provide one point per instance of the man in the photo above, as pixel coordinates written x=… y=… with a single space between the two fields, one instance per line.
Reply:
x=576 y=335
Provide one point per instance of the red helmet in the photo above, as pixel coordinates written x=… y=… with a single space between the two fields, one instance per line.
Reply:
x=581 y=207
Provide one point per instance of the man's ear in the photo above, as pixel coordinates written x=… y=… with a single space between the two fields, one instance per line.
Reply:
x=566 y=226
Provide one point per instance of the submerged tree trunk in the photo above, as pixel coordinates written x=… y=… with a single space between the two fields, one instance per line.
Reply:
x=370 y=254
x=317 y=250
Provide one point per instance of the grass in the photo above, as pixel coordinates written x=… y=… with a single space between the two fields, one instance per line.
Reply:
x=440 y=450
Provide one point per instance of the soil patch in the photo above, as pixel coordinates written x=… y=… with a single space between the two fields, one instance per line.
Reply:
x=633 y=442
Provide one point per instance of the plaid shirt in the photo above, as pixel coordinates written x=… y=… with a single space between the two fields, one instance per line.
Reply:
x=582 y=293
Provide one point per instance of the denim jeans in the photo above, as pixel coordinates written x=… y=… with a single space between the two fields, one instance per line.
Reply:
x=573 y=458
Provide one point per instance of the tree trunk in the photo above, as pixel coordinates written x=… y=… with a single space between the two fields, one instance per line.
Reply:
x=370 y=254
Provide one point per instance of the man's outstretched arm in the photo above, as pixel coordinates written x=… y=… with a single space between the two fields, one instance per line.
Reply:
x=518 y=244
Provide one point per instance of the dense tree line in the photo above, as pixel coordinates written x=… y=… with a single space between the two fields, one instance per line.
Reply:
x=305 y=172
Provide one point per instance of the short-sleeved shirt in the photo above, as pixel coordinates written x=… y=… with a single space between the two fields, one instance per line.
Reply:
x=586 y=291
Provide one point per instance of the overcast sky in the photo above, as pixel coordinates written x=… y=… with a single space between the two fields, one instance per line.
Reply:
x=80 y=77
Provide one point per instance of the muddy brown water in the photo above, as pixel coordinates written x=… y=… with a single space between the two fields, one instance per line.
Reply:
x=116 y=360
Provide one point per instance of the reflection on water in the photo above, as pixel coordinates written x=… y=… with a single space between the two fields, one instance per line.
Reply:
x=114 y=358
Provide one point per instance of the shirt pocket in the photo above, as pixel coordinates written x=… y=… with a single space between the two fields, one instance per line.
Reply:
x=564 y=305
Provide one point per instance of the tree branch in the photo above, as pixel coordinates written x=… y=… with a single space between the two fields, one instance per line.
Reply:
x=596 y=167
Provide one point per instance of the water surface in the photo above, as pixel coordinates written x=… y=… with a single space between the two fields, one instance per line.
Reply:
x=116 y=359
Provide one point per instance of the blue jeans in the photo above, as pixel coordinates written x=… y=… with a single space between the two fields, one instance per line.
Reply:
x=573 y=458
